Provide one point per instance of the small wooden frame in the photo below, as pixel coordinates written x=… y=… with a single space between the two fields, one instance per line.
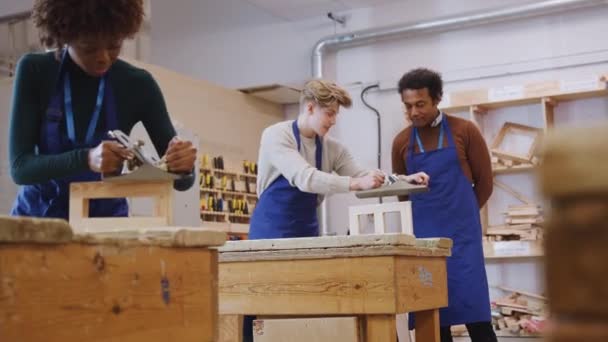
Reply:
x=516 y=142
x=378 y=210
x=82 y=193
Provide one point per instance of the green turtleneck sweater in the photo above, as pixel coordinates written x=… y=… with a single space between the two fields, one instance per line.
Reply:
x=137 y=97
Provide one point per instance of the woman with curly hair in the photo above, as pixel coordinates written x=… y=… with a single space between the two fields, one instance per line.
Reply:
x=65 y=102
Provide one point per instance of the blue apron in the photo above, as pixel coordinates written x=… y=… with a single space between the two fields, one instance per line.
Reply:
x=51 y=199
x=450 y=209
x=283 y=211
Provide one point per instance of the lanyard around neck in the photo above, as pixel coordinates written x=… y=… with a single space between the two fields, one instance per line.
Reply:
x=440 y=143
x=69 y=112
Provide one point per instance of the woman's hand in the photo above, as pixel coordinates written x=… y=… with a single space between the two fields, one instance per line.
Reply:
x=180 y=156
x=108 y=157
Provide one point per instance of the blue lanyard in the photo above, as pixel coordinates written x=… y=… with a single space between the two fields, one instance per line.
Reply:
x=67 y=97
x=439 y=145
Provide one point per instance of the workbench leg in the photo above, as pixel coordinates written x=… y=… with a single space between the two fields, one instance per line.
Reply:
x=427 y=326
x=230 y=328
x=380 y=328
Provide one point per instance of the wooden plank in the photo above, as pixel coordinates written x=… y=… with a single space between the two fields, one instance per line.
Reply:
x=468 y=97
x=117 y=190
x=498 y=231
x=320 y=242
x=498 y=169
x=164 y=236
x=308 y=287
x=532 y=220
x=421 y=283
x=485 y=219
x=34 y=230
x=106 y=293
x=380 y=328
x=427 y=326
x=330 y=329
x=328 y=253
x=230 y=227
x=523 y=212
x=548 y=112
x=540 y=89
x=523 y=293
x=90 y=225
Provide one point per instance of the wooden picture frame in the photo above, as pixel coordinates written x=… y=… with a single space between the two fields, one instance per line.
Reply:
x=516 y=142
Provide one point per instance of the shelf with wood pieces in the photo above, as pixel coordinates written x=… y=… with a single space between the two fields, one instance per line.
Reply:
x=480 y=104
x=538 y=92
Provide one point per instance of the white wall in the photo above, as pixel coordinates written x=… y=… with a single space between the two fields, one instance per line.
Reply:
x=11 y=7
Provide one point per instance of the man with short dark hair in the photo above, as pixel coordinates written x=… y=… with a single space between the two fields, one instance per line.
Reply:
x=453 y=153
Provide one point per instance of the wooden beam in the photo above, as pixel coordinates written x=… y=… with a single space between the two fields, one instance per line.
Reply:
x=380 y=328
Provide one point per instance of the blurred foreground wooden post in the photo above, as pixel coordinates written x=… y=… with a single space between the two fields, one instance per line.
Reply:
x=574 y=177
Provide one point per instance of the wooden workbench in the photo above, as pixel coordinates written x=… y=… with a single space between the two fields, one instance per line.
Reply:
x=373 y=277
x=133 y=286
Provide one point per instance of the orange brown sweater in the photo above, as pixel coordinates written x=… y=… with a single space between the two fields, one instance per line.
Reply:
x=471 y=148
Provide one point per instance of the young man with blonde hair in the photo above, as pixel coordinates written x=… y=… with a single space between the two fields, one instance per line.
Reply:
x=296 y=164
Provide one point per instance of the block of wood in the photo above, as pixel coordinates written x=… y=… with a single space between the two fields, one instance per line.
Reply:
x=34 y=230
x=59 y=286
x=399 y=188
x=333 y=247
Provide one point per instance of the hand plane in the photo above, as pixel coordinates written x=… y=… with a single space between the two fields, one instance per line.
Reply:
x=143 y=167
x=393 y=186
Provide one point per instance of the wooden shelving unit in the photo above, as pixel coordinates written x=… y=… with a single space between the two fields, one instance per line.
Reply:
x=223 y=220
x=478 y=104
